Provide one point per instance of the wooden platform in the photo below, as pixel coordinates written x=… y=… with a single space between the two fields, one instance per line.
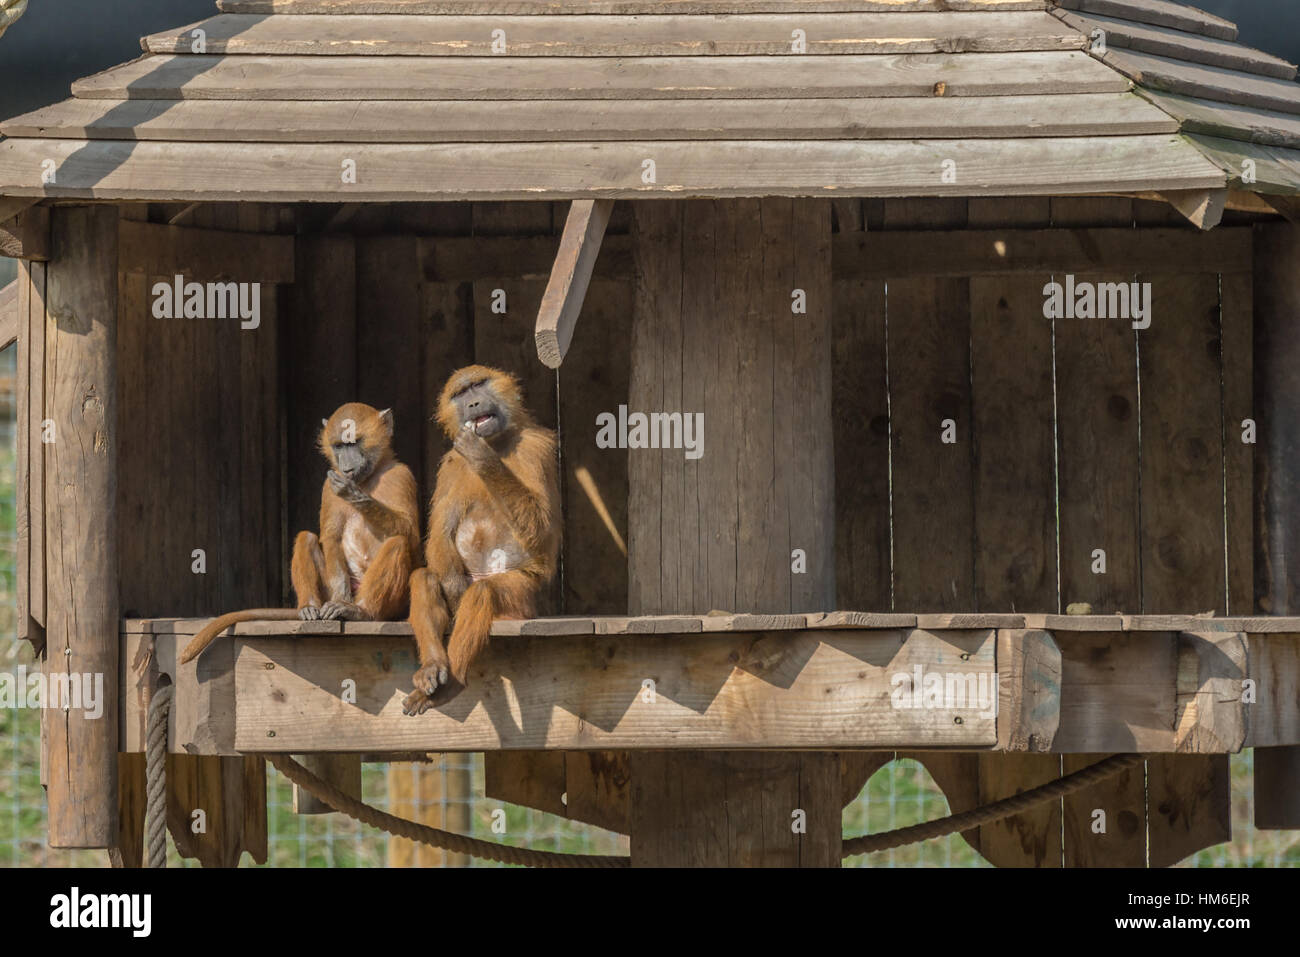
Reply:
x=838 y=680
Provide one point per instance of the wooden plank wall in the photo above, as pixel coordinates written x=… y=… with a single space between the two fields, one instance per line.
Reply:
x=1072 y=435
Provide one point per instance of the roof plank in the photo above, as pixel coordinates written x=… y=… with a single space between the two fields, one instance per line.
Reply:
x=1228 y=120
x=569 y=7
x=1179 y=45
x=594 y=35
x=109 y=169
x=1161 y=13
x=1209 y=82
x=443 y=121
x=668 y=77
x=1260 y=169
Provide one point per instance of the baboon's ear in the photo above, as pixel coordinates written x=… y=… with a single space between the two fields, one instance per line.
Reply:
x=324 y=422
x=386 y=417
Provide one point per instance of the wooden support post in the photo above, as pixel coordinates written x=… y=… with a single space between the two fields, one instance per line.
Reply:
x=81 y=532
x=27 y=235
x=341 y=770
x=732 y=316
x=1277 y=483
x=562 y=301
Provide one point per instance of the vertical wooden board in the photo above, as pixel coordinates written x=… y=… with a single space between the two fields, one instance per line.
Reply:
x=700 y=323
x=657 y=301
x=1119 y=838
x=1031 y=838
x=22 y=455
x=504 y=340
x=514 y=218
x=1183 y=546
x=136 y=496
x=1015 y=524
x=1277 y=788
x=957 y=775
x=758 y=283
x=846 y=216
x=132 y=799
x=857 y=768
x=217 y=786
x=1182 y=448
x=1015 y=481
x=1158 y=214
x=1097 y=434
x=81 y=543
x=533 y=779
x=341 y=770
x=263 y=576
x=597 y=787
x=929 y=383
x=320 y=358
x=38 y=391
x=1237 y=329
x=388 y=336
x=1189 y=799
x=254 y=828
x=735 y=809
x=446 y=344
x=860 y=415
x=594 y=380
x=807 y=396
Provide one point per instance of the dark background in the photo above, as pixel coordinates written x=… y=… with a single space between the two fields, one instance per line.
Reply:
x=58 y=41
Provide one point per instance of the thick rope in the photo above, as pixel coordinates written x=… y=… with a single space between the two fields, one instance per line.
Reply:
x=996 y=811
x=491 y=851
x=434 y=837
x=155 y=774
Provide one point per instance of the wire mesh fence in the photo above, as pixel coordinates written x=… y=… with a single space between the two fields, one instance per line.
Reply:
x=898 y=795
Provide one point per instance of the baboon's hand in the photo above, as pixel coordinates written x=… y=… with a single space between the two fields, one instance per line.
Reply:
x=309 y=612
x=345 y=488
x=473 y=447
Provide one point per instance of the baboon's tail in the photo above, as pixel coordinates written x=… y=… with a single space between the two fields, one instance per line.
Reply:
x=218 y=625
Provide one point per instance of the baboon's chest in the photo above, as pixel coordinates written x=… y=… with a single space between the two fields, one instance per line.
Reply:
x=486 y=545
x=358 y=545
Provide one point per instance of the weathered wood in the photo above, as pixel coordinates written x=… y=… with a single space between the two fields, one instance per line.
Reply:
x=1179 y=45
x=250 y=78
x=510 y=7
x=341 y=770
x=1029 y=682
x=1188 y=806
x=620 y=35
x=81 y=542
x=1277 y=788
x=27 y=236
x=12 y=206
x=976 y=253
x=1274 y=719
x=1209 y=82
x=533 y=779
x=1212 y=670
x=450 y=121
x=231 y=793
x=128 y=849
x=562 y=302
x=434 y=793
x=1253 y=166
x=1236 y=335
x=1164 y=13
x=106 y=169
x=207 y=254
x=856 y=769
x=777 y=679
x=781 y=810
x=1229 y=120
x=933 y=506
x=598 y=788
x=1203 y=208
x=1105 y=824
x=860 y=619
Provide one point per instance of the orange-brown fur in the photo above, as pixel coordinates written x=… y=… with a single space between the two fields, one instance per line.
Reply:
x=494 y=535
x=374 y=521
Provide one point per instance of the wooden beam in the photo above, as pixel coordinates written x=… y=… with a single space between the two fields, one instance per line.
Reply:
x=1206 y=82
x=205 y=254
x=1163 y=13
x=82 y=527
x=341 y=770
x=11 y=206
x=1202 y=207
x=548 y=7
x=562 y=302
x=1288 y=206
x=27 y=235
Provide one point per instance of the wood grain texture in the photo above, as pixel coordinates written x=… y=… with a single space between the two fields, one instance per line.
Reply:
x=565 y=292
x=214 y=254
x=81 y=517
x=451 y=121
x=1164 y=13
x=105 y=169
x=250 y=78
x=777 y=680
x=609 y=35
x=542 y=7
x=1229 y=120
x=1209 y=82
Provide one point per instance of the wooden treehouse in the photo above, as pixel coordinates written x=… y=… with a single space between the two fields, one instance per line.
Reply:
x=832 y=228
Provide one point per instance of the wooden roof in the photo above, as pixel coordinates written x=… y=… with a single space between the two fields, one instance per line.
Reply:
x=274 y=98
